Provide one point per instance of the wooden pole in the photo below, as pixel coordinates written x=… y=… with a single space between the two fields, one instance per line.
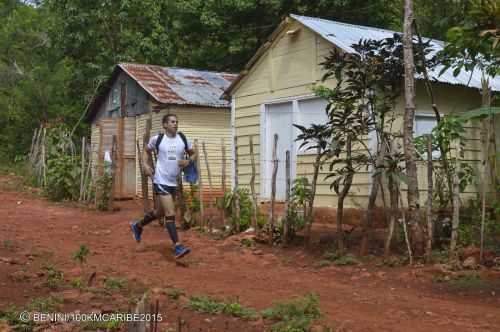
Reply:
x=286 y=222
x=82 y=175
x=223 y=179
x=428 y=250
x=180 y=197
x=200 y=184
x=144 y=180
x=273 y=190
x=236 y=195
x=310 y=213
x=486 y=123
x=87 y=175
x=405 y=229
x=209 y=174
x=456 y=202
x=252 y=187
x=145 y=184
x=32 y=148
x=114 y=157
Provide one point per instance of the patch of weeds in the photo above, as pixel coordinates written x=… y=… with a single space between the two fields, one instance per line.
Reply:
x=209 y=305
x=174 y=293
x=111 y=325
x=470 y=281
x=440 y=256
x=247 y=242
x=340 y=260
x=54 y=276
x=393 y=261
x=287 y=259
x=295 y=315
x=236 y=309
x=204 y=304
x=8 y=244
x=81 y=254
x=11 y=316
x=45 y=305
x=78 y=283
x=114 y=284
x=322 y=263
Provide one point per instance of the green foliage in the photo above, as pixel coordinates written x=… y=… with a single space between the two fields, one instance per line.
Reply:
x=474 y=42
x=208 y=305
x=45 y=305
x=246 y=209
x=77 y=283
x=448 y=130
x=114 y=284
x=81 y=254
x=54 y=276
x=103 y=190
x=340 y=260
x=98 y=325
x=11 y=316
x=469 y=231
x=296 y=315
x=174 y=293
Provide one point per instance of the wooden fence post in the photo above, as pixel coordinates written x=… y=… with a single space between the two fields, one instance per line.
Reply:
x=273 y=190
x=210 y=197
x=200 y=184
x=429 y=199
x=144 y=178
x=455 y=201
x=252 y=187
x=82 y=175
x=286 y=222
x=236 y=195
x=114 y=161
x=223 y=179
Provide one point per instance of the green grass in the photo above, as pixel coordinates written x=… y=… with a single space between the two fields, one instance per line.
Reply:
x=463 y=282
x=111 y=325
x=55 y=277
x=114 y=284
x=174 y=293
x=322 y=263
x=295 y=315
x=205 y=304
x=8 y=244
x=340 y=260
x=46 y=305
x=81 y=254
x=78 y=283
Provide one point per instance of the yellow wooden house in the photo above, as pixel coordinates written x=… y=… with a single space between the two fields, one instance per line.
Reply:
x=274 y=91
x=136 y=92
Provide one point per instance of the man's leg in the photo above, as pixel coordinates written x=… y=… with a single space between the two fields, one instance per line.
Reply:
x=137 y=226
x=168 y=205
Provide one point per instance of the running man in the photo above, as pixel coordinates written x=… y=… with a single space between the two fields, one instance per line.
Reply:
x=170 y=160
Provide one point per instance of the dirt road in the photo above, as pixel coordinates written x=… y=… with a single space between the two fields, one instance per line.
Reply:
x=35 y=233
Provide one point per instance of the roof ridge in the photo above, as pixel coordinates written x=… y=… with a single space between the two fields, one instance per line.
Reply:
x=179 y=68
x=364 y=27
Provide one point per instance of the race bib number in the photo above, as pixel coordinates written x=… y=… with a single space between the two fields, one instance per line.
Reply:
x=171 y=152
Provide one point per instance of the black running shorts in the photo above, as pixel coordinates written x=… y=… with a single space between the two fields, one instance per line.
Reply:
x=163 y=189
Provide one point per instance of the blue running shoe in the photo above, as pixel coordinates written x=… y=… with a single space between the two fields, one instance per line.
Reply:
x=136 y=230
x=181 y=251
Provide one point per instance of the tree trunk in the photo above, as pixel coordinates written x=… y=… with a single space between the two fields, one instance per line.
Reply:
x=428 y=248
x=310 y=213
x=486 y=126
x=409 y=147
x=342 y=195
x=456 y=203
x=394 y=197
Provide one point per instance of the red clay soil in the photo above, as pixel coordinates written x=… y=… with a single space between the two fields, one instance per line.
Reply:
x=367 y=297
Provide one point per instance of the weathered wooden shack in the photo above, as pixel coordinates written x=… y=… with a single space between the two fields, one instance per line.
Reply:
x=137 y=92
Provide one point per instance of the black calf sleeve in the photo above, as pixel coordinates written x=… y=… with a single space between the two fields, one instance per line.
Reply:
x=148 y=217
x=172 y=230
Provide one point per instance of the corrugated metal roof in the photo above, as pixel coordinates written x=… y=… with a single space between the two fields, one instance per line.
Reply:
x=181 y=86
x=344 y=35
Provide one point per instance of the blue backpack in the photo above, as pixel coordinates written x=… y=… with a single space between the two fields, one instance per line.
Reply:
x=190 y=171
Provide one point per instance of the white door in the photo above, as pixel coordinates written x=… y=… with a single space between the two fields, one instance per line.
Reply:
x=279 y=121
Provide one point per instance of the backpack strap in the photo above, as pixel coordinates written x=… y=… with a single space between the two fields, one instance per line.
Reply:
x=184 y=140
x=160 y=137
x=158 y=141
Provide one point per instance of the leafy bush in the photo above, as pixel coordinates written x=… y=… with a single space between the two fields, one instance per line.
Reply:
x=208 y=305
x=103 y=188
x=246 y=209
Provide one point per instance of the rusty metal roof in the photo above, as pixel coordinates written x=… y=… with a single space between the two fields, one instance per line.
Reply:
x=181 y=86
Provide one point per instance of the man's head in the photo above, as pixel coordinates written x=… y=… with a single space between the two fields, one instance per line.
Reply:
x=170 y=123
